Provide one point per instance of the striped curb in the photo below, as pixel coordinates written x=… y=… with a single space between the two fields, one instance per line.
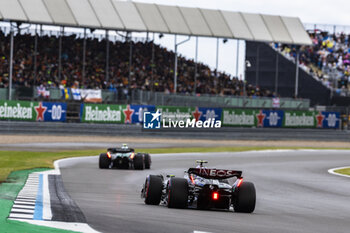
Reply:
x=33 y=203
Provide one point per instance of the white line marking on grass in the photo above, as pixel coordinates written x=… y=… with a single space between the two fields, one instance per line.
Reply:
x=332 y=171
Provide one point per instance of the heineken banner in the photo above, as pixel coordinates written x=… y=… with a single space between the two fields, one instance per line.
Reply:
x=178 y=113
x=105 y=113
x=32 y=111
x=184 y=113
x=239 y=117
x=311 y=119
x=17 y=110
x=252 y=118
x=299 y=119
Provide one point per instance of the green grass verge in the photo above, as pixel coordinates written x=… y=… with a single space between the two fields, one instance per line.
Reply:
x=8 y=193
x=344 y=171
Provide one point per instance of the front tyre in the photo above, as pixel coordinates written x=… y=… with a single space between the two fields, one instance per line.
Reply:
x=153 y=190
x=104 y=161
x=245 y=198
x=177 y=193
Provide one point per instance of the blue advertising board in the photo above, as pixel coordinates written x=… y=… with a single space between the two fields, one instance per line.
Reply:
x=137 y=116
x=54 y=111
x=331 y=120
x=271 y=118
x=204 y=114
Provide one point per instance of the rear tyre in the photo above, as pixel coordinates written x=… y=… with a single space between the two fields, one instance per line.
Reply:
x=104 y=161
x=148 y=161
x=153 y=190
x=138 y=162
x=177 y=193
x=245 y=198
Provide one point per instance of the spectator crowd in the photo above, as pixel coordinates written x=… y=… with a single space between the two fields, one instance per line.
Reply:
x=328 y=59
x=142 y=76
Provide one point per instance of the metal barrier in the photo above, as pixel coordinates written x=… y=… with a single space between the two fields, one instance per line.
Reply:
x=158 y=98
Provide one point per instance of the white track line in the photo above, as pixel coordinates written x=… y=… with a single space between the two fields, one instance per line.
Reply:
x=47 y=214
x=332 y=171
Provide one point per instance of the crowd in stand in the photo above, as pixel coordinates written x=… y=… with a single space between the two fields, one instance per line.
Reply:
x=143 y=77
x=328 y=59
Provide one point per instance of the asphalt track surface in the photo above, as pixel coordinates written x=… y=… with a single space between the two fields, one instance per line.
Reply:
x=294 y=194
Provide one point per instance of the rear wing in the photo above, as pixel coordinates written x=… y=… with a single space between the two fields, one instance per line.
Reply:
x=214 y=173
x=120 y=150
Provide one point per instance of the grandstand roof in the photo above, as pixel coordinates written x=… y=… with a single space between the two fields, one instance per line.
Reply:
x=133 y=16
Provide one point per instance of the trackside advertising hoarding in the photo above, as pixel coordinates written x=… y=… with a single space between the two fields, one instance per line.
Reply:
x=107 y=113
x=184 y=113
x=270 y=118
x=134 y=114
x=176 y=113
x=32 y=111
x=252 y=118
x=138 y=110
x=54 y=111
x=311 y=119
x=239 y=117
x=102 y=113
x=279 y=118
x=17 y=110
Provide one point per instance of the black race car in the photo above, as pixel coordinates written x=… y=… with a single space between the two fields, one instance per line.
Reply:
x=201 y=188
x=124 y=158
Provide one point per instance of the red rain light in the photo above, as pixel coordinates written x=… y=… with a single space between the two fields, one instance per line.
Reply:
x=192 y=180
x=109 y=154
x=215 y=195
x=239 y=182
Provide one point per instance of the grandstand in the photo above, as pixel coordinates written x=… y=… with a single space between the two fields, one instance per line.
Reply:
x=324 y=68
x=73 y=60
